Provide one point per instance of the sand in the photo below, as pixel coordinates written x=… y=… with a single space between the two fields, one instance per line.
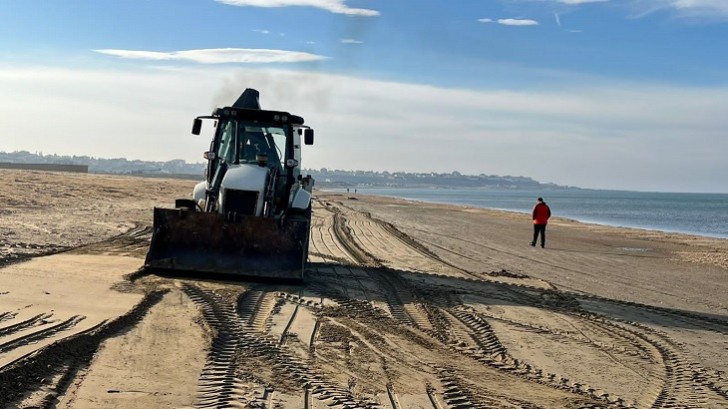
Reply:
x=405 y=305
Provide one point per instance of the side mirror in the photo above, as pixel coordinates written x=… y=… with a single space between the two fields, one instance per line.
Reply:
x=209 y=155
x=308 y=136
x=291 y=163
x=196 y=126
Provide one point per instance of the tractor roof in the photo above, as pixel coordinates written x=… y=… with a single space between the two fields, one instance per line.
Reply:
x=258 y=115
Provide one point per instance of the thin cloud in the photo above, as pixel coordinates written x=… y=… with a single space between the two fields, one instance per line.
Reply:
x=261 y=31
x=716 y=10
x=217 y=55
x=718 y=5
x=577 y=2
x=334 y=6
x=712 y=9
x=557 y=17
x=517 y=22
x=351 y=41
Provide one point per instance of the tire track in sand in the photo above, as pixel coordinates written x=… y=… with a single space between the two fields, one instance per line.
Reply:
x=489 y=351
x=62 y=360
x=41 y=334
x=223 y=381
x=30 y=322
x=680 y=381
x=398 y=295
x=676 y=388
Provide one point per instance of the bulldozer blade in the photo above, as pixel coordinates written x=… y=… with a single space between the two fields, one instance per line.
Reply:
x=189 y=241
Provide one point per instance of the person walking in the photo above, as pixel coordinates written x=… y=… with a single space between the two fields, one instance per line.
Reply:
x=540 y=214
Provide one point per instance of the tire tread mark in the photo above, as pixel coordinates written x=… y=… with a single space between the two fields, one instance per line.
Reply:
x=39 y=335
x=323 y=244
x=430 y=390
x=27 y=373
x=457 y=395
x=492 y=353
x=393 y=397
x=218 y=379
x=339 y=233
x=314 y=333
x=284 y=334
x=8 y=315
x=224 y=316
x=392 y=285
x=254 y=307
x=638 y=352
x=680 y=376
x=344 y=236
x=11 y=329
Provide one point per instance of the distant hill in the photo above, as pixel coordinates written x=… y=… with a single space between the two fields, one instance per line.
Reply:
x=324 y=177
x=353 y=178
x=176 y=167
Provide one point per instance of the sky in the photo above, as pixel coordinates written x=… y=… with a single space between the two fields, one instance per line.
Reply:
x=606 y=94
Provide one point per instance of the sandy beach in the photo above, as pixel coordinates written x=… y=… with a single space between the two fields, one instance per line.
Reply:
x=405 y=305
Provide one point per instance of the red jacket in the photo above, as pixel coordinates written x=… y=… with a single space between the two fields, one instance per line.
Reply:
x=541 y=213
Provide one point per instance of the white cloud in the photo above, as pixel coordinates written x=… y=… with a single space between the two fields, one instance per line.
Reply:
x=517 y=22
x=558 y=19
x=334 y=6
x=218 y=55
x=608 y=135
x=261 y=31
x=512 y=21
x=350 y=41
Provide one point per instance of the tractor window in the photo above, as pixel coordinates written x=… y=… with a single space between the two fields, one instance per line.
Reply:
x=252 y=142
x=226 y=148
x=259 y=138
x=277 y=138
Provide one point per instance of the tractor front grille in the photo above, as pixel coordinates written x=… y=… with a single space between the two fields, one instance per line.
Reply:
x=240 y=201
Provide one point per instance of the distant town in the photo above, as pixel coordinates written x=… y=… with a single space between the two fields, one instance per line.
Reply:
x=324 y=177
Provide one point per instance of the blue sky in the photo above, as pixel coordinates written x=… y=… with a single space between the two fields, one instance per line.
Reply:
x=628 y=94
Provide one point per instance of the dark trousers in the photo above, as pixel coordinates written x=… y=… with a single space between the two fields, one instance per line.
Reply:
x=539 y=229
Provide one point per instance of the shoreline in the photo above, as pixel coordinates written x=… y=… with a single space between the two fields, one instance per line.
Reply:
x=572 y=222
x=645 y=266
x=575 y=219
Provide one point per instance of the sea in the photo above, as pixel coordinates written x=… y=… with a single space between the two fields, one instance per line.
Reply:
x=702 y=214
